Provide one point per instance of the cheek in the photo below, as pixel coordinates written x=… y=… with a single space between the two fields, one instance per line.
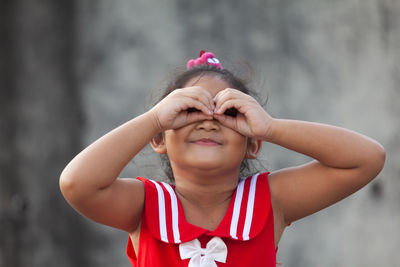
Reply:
x=173 y=140
x=239 y=142
x=170 y=139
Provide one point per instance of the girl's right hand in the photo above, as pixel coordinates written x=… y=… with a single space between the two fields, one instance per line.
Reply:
x=174 y=110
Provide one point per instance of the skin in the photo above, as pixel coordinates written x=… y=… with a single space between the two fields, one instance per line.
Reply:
x=206 y=172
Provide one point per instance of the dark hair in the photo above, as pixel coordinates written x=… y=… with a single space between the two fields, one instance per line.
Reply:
x=180 y=80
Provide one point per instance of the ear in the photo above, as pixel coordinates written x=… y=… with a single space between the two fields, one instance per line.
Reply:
x=253 y=148
x=158 y=144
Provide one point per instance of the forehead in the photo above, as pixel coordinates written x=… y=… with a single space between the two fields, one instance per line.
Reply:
x=212 y=83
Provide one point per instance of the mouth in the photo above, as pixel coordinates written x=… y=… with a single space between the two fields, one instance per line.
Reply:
x=206 y=142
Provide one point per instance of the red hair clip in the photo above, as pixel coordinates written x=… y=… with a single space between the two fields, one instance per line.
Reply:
x=206 y=58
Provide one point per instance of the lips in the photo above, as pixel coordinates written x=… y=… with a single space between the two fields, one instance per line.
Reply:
x=206 y=142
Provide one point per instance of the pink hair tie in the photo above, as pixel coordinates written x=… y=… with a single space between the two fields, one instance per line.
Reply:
x=206 y=58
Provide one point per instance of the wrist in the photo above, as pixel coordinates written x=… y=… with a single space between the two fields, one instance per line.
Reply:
x=271 y=131
x=153 y=118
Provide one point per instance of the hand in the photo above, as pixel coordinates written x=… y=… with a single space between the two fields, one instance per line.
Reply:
x=174 y=111
x=251 y=119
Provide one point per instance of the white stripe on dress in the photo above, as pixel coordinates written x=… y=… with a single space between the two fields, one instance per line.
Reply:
x=236 y=209
x=175 y=214
x=161 y=212
x=250 y=208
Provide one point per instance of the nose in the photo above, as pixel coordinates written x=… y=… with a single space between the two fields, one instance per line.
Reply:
x=208 y=125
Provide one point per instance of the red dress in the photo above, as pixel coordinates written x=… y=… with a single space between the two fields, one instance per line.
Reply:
x=245 y=236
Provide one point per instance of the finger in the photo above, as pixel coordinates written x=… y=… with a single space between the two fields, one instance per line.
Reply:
x=229 y=105
x=196 y=93
x=230 y=122
x=227 y=121
x=197 y=116
x=192 y=105
x=200 y=94
x=227 y=94
x=220 y=94
x=232 y=112
x=184 y=119
x=189 y=98
x=228 y=91
x=237 y=124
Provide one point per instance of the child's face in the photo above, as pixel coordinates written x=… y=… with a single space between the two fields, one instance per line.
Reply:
x=206 y=144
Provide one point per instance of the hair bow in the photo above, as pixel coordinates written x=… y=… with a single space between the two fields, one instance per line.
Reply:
x=206 y=58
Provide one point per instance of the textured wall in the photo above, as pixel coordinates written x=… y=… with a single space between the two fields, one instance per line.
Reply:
x=73 y=70
x=325 y=61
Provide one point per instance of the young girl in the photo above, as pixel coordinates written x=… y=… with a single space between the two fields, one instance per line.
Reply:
x=208 y=125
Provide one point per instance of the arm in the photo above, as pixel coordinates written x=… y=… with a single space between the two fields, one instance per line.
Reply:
x=90 y=181
x=344 y=161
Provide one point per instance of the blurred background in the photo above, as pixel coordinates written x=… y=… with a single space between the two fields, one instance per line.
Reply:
x=72 y=70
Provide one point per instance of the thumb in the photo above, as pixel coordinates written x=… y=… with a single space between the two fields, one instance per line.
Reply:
x=225 y=120
x=197 y=116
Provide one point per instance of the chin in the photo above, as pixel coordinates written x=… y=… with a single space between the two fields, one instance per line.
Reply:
x=207 y=164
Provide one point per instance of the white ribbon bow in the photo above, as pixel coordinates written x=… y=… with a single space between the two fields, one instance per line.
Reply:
x=215 y=250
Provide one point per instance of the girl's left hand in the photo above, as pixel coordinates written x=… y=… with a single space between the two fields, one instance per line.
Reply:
x=251 y=120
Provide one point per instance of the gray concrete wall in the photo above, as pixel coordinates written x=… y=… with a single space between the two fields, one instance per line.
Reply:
x=73 y=70
x=326 y=61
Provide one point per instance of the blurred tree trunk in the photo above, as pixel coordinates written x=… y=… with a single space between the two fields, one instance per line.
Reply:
x=10 y=220
x=41 y=126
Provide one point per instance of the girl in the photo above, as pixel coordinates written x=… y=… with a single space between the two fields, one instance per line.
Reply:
x=208 y=126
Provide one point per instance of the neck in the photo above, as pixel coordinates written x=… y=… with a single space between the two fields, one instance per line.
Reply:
x=205 y=189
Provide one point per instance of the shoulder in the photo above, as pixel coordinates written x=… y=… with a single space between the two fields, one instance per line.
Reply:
x=155 y=187
x=252 y=203
x=255 y=186
x=258 y=182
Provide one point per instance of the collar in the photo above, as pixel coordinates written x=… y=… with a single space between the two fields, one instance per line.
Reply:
x=245 y=218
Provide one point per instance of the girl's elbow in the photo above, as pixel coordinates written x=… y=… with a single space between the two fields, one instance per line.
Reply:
x=68 y=185
x=381 y=157
x=377 y=160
